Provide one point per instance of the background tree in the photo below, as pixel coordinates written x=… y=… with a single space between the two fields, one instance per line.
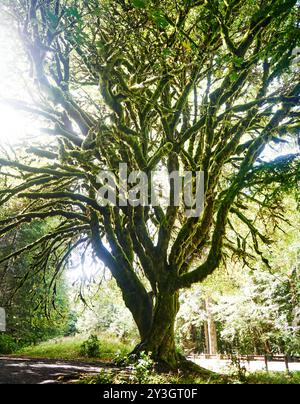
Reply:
x=263 y=319
x=36 y=307
x=194 y=85
x=256 y=311
x=104 y=312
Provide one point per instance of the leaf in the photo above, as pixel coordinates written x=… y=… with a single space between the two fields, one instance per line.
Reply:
x=187 y=46
x=168 y=52
x=238 y=61
x=139 y=3
x=97 y=12
x=234 y=76
x=159 y=19
x=100 y=44
x=72 y=12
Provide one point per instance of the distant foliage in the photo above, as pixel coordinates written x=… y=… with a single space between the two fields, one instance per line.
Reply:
x=7 y=344
x=91 y=347
x=36 y=303
x=264 y=316
x=255 y=312
x=104 y=312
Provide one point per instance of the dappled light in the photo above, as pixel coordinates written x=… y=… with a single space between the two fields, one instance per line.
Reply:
x=28 y=371
x=149 y=192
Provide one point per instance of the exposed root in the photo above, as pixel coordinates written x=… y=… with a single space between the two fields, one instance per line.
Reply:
x=182 y=366
x=188 y=366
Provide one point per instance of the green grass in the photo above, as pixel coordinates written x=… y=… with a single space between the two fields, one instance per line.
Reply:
x=69 y=348
x=251 y=378
x=273 y=378
x=108 y=377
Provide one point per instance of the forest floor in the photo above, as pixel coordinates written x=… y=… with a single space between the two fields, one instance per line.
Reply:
x=26 y=370
x=221 y=366
x=22 y=370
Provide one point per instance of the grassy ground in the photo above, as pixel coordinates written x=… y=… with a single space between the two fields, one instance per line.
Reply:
x=273 y=378
x=69 y=348
x=109 y=377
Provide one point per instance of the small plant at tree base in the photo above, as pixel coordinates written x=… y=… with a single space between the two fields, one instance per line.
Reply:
x=142 y=368
x=121 y=359
x=7 y=344
x=237 y=369
x=104 y=377
x=91 y=347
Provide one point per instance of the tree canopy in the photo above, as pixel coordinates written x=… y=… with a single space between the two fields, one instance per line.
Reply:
x=175 y=85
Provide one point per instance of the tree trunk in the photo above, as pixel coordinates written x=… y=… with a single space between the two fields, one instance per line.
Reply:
x=210 y=330
x=160 y=341
x=139 y=302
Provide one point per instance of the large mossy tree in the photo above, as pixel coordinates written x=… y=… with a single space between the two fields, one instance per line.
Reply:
x=193 y=85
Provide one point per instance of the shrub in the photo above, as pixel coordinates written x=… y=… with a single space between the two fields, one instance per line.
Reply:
x=103 y=377
x=91 y=347
x=262 y=377
x=237 y=369
x=142 y=368
x=7 y=344
x=121 y=358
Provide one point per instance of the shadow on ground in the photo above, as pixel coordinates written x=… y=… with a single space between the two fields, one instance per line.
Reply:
x=15 y=370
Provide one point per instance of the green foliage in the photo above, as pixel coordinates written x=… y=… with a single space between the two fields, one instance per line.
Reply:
x=234 y=76
x=53 y=20
x=107 y=376
x=8 y=344
x=254 y=311
x=66 y=348
x=139 y=3
x=70 y=348
x=103 y=377
x=273 y=378
x=121 y=359
x=35 y=311
x=260 y=314
x=237 y=369
x=149 y=57
x=159 y=19
x=105 y=311
x=261 y=377
x=91 y=347
x=72 y=12
x=263 y=316
x=71 y=324
x=142 y=368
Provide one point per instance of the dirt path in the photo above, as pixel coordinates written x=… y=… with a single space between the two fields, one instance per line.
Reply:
x=15 y=370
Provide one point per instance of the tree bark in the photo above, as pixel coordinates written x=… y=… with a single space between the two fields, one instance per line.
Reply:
x=211 y=332
x=160 y=342
x=139 y=302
